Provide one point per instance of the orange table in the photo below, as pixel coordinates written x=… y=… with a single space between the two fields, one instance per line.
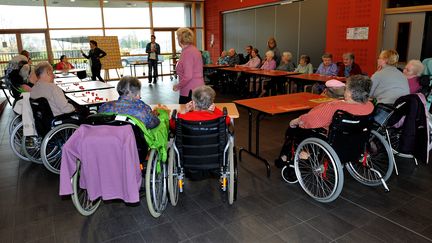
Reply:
x=275 y=105
x=314 y=77
x=272 y=74
x=215 y=66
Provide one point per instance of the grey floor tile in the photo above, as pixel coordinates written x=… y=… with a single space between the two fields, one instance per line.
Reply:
x=216 y=236
x=34 y=231
x=129 y=238
x=353 y=214
x=7 y=235
x=330 y=225
x=195 y=223
x=416 y=215
x=390 y=232
x=168 y=232
x=248 y=229
x=358 y=235
x=302 y=233
x=303 y=209
x=273 y=239
x=279 y=218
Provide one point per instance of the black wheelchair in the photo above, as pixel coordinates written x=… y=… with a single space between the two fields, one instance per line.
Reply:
x=52 y=133
x=202 y=146
x=155 y=174
x=390 y=122
x=316 y=157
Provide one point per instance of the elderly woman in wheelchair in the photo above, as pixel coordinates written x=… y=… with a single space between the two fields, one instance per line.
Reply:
x=54 y=120
x=201 y=141
x=112 y=151
x=331 y=133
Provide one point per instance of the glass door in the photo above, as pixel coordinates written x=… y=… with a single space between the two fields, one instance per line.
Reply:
x=166 y=40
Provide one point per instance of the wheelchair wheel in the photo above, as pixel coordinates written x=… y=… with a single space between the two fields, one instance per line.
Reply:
x=378 y=156
x=52 y=144
x=155 y=182
x=318 y=170
x=232 y=177
x=31 y=147
x=15 y=142
x=173 y=186
x=15 y=121
x=80 y=198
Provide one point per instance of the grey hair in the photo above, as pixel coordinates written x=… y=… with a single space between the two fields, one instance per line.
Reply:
x=41 y=68
x=203 y=97
x=270 y=53
x=418 y=67
x=360 y=86
x=288 y=54
x=129 y=86
x=348 y=55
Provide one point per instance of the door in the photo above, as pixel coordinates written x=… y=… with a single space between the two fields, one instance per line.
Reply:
x=404 y=33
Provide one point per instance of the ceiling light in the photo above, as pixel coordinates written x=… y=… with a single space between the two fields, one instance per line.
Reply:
x=72 y=0
x=106 y=1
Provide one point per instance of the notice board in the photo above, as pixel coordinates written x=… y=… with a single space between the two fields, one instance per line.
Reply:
x=110 y=45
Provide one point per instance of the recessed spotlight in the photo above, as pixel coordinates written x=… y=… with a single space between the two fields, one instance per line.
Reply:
x=72 y=0
x=106 y=1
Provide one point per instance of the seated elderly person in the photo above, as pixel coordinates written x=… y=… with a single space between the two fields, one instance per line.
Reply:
x=64 y=64
x=202 y=107
x=46 y=88
x=388 y=83
x=348 y=66
x=355 y=102
x=19 y=74
x=412 y=71
x=129 y=89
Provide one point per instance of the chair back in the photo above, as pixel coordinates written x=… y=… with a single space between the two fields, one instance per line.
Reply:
x=201 y=144
x=82 y=74
x=118 y=120
x=42 y=115
x=348 y=135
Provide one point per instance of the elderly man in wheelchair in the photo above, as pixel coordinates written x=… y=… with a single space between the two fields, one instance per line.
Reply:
x=51 y=120
x=201 y=142
x=331 y=133
x=112 y=151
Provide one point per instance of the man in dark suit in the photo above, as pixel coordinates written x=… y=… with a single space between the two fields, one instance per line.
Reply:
x=153 y=50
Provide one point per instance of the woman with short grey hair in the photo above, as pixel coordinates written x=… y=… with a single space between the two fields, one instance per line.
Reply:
x=129 y=89
x=203 y=97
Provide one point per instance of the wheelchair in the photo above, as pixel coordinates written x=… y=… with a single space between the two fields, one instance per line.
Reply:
x=202 y=146
x=155 y=174
x=53 y=132
x=317 y=159
x=387 y=121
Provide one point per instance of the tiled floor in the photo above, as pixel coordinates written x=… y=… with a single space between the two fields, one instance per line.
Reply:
x=267 y=210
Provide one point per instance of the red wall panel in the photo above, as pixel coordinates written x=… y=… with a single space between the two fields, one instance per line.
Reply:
x=343 y=14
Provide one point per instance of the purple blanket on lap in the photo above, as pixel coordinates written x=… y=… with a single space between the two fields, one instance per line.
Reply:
x=109 y=162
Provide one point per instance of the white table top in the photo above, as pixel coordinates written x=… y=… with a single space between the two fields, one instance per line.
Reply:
x=73 y=70
x=96 y=97
x=65 y=75
x=67 y=80
x=84 y=86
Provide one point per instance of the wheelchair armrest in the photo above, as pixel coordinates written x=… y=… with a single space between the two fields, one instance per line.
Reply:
x=72 y=117
x=320 y=131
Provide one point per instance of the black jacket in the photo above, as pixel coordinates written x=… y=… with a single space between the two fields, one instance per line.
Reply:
x=95 y=55
x=148 y=50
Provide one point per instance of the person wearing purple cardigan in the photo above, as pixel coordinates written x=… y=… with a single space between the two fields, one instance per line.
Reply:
x=189 y=67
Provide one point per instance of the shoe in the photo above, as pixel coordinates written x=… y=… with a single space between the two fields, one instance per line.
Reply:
x=262 y=93
x=149 y=81
x=155 y=81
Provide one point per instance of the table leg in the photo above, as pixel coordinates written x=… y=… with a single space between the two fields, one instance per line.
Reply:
x=161 y=71
x=249 y=150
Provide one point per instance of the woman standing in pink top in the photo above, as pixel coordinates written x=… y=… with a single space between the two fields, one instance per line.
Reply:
x=190 y=66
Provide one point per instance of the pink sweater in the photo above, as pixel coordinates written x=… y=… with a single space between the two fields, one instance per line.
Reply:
x=189 y=70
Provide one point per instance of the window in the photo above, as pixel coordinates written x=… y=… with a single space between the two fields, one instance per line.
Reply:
x=78 y=14
x=132 y=42
x=70 y=42
x=31 y=16
x=171 y=15
x=126 y=14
